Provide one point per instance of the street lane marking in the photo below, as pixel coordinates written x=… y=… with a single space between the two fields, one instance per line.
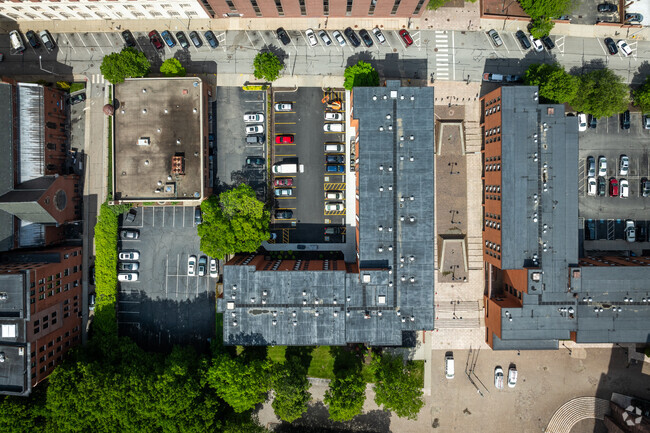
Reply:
x=602 y=47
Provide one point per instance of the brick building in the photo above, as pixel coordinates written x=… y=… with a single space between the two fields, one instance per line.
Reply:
x=541 y=286
x=382 y=297
x=40 y=314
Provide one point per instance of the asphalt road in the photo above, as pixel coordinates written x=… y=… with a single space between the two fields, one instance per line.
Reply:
x=443 y=55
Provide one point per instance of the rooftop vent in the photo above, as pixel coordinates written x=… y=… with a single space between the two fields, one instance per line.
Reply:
x=234 y=323
x=230 y=305
x=3 y=296
x=388 y=116
x=274 y=322
x=393 y=94
x=374 y=97
x=144 y=90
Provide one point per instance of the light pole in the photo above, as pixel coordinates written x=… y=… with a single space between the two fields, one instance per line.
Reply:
x=40 y=64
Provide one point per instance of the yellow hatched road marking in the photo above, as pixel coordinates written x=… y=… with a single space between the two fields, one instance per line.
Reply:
x=285 y=123
x=334 y=212
x=334 y=186
x=285 y=144
x=285 y=236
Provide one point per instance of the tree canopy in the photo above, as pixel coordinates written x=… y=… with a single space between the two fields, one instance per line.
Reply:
x=360 y=75
x=542 y=12
x=172 y=68
x=347 y=392
x=240 y=382
x=555 y=85
x=267 y=66
x=233 y=222
x=602 y=94
x=642 y=96
x=396 y=387
x=128 y=63
x=291 y=385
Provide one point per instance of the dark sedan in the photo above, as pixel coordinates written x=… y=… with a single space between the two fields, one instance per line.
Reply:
x=548 y=42
x=32 y=39
x=365 y=37
x=129 y=40
x=182 y=39
x=211 y=38
x=607 y=7
x=283 y=36
x=611 y=46
x=352 y=37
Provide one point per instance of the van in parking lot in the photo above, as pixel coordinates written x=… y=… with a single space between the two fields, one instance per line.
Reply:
x=334 y=148
x=449 y=365
x=334 y=195
x=16 y=41
x=251 y=139
x=288 y=168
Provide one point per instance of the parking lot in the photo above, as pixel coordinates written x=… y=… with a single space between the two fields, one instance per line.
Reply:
x=165 y=306
x=232 y=150
x=605 y=216
x=303 y=127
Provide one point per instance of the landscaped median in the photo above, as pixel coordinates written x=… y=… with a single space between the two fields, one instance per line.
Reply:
x=106 y=235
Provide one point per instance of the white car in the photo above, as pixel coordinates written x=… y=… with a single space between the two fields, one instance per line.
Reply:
x=537 y=44
x=311 y=37
x=582 y=122
x=129 y=255
x=213 y=268
x=325 y=38
x=602 y=166
x=379 y=35
x=623 y=188
x=334 y=206
x=253 y=117
x=591 y=186
x=512 y=377
x=630 y=231
x=334 y=117
x=339 y=37
x=191 y=266
x=625 y=165
x=283 y=106
x=254 y=129
x=334 y=127
x=624 y=47
x=498 y=377
x=127 y=276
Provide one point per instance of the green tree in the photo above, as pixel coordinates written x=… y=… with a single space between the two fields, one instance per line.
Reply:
x=267 y=66
x=345 y=396
x=233 y=222
x=172 y=68
x=291 y=385
x=23 y=414
x=241 y=384
x=128 y=63
x=360 y=75
x=602 y=94
x=397 y=388
x=642 y=96
x=555 y=85
x=542 y=12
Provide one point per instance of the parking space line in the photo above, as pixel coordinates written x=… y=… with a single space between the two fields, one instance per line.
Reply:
x=285 y=144
x=285 y=154
x=178 y=262
x=601 y=46
x=184 y=216
x=166 y=273
x=285 y=123
x=69 y=44
x=514 y=39
x=249 y=39
x=153 y=216
x=97 y=42
x=163 y=209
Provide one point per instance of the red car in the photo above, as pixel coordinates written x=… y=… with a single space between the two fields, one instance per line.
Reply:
x=155 y=40
x=284 y=182
x=283 y=139
x=613 y=187
x=406 y=37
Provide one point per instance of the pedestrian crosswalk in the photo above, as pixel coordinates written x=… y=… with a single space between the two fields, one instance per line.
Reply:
x=442 y=55
x=97 y=79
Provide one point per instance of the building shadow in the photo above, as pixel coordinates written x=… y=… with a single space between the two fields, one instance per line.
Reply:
x=316 y=420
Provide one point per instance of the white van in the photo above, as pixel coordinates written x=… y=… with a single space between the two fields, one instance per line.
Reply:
x=16 y=41
x=449 y=365
x=334 y=195
x=334 y=148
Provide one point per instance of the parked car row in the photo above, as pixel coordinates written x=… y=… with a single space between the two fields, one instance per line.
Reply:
x=203 y=268
x=351 y=36
x=44 y=37
x=597 y=185
x=157 y=39
x=128 y=263
x=526 y=42
x=615 y=47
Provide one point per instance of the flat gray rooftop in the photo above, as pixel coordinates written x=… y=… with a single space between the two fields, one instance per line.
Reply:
x=168 y=113
x=14 y=310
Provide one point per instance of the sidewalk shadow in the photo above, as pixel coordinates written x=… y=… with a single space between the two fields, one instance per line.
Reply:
x=639 y=77
x=316 y=420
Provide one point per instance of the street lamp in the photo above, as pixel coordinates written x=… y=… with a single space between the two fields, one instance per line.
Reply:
x=40 y=64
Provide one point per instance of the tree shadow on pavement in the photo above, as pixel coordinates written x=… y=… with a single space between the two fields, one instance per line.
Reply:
x=640 y=76
x=316 y=420
x=278 y=51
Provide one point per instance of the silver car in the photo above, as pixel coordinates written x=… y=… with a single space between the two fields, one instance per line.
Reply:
x=496 y=39
x=325 y=38
x=339 y=38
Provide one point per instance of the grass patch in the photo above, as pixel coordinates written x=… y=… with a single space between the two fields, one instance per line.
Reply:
x=276 y=353
x=106 y=268
x=418 y=371
x=77 y=86
x=322 y=363
x=254 y=88
x=148 y=203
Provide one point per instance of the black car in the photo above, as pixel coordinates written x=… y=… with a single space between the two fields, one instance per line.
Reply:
x=633 y=17
x=77 y=98
x=607 y=7
x=182 y=40
x=212 y=40
x=602 y=186
x=641 y=233
x=129 y=40
x=283 y=214
x=352 y=37
x=593 y=121
x=645 y=187
x=196 y=40
x=198 y=217
x=283 y=36
x=625 y=120
x=335 y=159
x=32 y=39
x=254 y=160
x=611 y=46
x=523 y=40
x=130 y=216
x=365 y=37
x=46 y=37
x=548 y=42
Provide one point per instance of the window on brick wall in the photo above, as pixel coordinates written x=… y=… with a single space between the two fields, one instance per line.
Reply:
x=348 y=7
x=418 y=7
x=326 y=7
x=395 y=7
x=303 y=7
x=278 y=6
x=256 y=8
